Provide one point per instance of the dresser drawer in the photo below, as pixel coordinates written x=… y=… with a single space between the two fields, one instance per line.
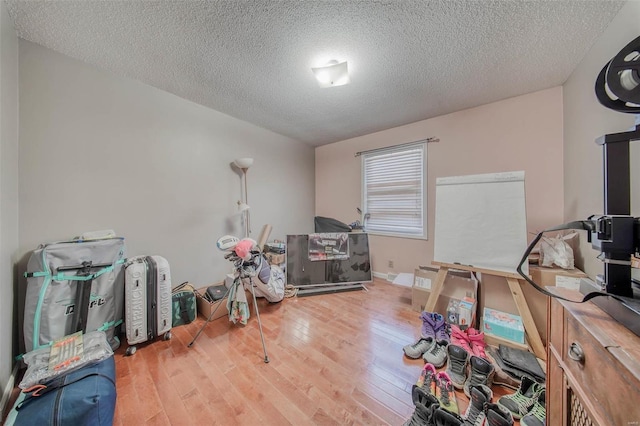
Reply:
x=614 y=394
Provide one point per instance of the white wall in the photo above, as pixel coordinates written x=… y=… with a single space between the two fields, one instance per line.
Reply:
x=104 y=152
x=9 y=191
x=584 y=121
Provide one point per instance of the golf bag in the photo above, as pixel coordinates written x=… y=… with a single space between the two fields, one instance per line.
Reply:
x=74 y=286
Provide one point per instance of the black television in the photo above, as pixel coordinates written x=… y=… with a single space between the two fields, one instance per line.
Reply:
x=303 y=272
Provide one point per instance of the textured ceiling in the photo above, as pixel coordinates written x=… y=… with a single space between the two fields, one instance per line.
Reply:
x=408 y=60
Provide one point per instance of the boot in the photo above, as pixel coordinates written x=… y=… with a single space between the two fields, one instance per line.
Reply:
x=457 y=362
x=481 y=374
x=497 y=416
x=480 y=395
x=423 y=401
x=476 y=338
x=428 y=330
x=442 y=417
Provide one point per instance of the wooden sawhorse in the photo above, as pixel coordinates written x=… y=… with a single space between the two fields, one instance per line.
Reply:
x=514 y=280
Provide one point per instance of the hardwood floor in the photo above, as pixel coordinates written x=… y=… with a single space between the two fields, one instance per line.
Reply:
x=335 y=359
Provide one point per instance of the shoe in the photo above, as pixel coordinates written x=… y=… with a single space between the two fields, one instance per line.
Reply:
x=423 y=411
x=457 y=361
x=522 y=401
x=460 y=338
x=481 y=373
x=537 y=416
x=443 y=332
x=445 y=393
x=480 y=396
x=437 y=354
x=417 y=349
x=497 y=416
x=431 y=321
x=427 y=379
x=477 y=342
x=442 y=417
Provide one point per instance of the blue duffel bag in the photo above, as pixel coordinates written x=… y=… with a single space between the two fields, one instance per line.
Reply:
x=86 y=396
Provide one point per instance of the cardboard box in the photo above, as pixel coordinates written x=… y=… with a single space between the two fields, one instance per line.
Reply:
x=275 y=259
x=205 y=307
x=462 y=312
x=567 y=278
x=502 y=324
x=457 y=286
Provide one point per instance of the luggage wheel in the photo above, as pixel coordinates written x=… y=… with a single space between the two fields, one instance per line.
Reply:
x=130 y=351
x=167 y=336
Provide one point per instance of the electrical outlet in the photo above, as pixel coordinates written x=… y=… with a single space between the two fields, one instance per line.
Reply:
x=391 y=264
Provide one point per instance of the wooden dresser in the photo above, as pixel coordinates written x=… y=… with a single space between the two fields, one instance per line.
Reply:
x=593 y=366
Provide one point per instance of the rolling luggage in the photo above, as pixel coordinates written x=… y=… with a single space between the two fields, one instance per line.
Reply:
x=148 y=308
x=74 y=286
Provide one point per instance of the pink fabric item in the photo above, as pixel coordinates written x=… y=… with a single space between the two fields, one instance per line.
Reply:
x=476 y=339
x=243 y=248
x=460 y=338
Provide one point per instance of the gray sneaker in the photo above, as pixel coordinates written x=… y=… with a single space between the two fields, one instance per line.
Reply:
x=437 y=354
x=480 y=397
x=417 y=349
x=481 y=374
x=457 y=362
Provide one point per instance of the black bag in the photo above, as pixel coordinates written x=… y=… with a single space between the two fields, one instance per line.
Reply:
x=215 y=292
x=183 y=301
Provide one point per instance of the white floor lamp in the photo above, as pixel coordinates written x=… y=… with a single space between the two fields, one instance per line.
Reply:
x=243 y=205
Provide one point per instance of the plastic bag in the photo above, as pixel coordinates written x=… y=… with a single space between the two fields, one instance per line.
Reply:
x=95 y=348
x=556 y=251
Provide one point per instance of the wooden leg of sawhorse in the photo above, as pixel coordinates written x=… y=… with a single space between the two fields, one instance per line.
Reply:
x=436 y=288
x=527 y=319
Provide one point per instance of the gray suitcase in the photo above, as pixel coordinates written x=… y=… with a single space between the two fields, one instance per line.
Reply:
x=73 y=286
x=148 y=308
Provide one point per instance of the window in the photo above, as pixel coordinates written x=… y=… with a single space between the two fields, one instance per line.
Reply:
x=393 y=190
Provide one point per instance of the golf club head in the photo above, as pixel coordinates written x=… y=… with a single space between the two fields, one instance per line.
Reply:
x=227 y=242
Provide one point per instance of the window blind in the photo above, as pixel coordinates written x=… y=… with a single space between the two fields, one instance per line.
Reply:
x=393 y=191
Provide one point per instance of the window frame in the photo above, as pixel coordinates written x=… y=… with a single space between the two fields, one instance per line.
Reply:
x=422 y=145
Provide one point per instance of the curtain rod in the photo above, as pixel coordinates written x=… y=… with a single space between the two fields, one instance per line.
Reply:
x=427 y=140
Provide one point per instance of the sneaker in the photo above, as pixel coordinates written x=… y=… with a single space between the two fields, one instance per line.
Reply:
x=460 y=338
x=442 y=417
x=427 y=379
x=417 y=349
x=481 y=374
x=497 y=416
x=477 y=342
x=480 y=396
x=457 y=361
x=522 y=401
x=437 y=355
x=537 y=416
x=431 y=321
x=445 y=393
x=423 y=402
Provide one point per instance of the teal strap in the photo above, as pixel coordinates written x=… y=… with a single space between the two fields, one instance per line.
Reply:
x=110 y=324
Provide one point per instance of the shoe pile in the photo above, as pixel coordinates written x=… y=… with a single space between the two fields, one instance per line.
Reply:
x=435 y=401
x=527 y=403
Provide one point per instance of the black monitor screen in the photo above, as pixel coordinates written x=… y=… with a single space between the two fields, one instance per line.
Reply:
x=301 y=271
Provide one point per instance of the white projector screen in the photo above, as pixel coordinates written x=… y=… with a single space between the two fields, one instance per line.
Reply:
x=481 y=221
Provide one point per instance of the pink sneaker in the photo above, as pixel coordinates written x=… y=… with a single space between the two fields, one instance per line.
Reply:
x=427 y=379
x=460 y=338
x=476 y=338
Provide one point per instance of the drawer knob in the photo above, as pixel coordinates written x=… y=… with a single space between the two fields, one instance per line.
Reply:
x=575 y=352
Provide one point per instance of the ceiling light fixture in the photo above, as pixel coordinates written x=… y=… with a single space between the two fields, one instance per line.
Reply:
x=333 y=74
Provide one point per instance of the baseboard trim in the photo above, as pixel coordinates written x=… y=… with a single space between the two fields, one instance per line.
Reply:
x=8 y=389
x=380 y=275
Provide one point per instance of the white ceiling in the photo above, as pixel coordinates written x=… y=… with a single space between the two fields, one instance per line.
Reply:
x=408 y=60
